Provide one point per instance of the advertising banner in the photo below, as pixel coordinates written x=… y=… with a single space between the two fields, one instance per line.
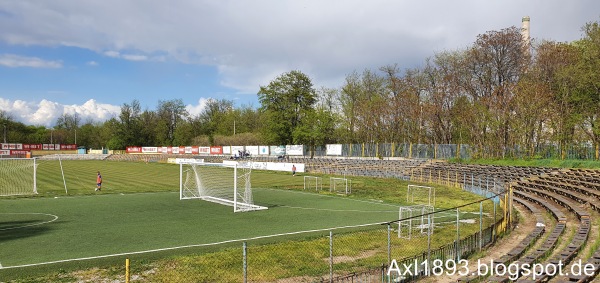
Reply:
x=227 y=150
x=32 y=147
x=263 y=150
x=175 y=150
x=68 y=147
x=195 y=150
x=333 y=149
x=272 y=166
x=4 y=152
x=14 y=146
x=216 y=150
x=277 y=150
x=294 y=149
x=204 y=150
x=252 y=149
x=149 y=149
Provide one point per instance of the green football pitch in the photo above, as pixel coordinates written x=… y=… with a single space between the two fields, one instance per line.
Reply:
x=139 y=211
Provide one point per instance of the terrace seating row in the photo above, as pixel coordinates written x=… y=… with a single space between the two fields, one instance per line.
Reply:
x=529 y=240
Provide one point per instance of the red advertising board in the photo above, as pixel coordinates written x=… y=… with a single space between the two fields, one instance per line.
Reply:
x=32 y=147
x=19 y=152
x=195 y=150
x=216 y=150
x=133 y=149
x=68 y=147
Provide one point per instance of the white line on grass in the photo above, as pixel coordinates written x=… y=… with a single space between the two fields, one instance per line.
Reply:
x=191 y=246
x=29 y=225
x=329 y=196
x=337 y=210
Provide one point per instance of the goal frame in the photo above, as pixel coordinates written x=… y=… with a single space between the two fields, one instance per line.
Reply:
x=238 y=206
x=410 y=197
x=318 y=183
x=347 y=184
x=34 y=166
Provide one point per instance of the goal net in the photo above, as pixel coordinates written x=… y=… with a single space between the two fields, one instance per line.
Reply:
x=18 y=176
x=227 y=184
x=415 y=220
x=340 y=185
x=313 y=182
x=420 y=195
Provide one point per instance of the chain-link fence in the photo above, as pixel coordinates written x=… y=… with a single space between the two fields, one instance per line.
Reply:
x=462 y=151
x=369 y=253
x=397 y=251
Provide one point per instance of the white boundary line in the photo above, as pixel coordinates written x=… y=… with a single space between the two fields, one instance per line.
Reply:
x=30 y=225
x=328 y=196
x=336 y=210
x=190 y=246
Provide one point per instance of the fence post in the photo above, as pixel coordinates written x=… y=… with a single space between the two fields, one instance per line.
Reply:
x=245 y=261
x=480 y=225
x=457 y=235
x=389 y=242
x=330 y=256
x=495 y=222
x=429 y=232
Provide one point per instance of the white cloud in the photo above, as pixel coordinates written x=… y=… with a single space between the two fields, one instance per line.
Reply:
x=46 y=112
x=112 y=53
x=92 y=63
x=134 y=57
x=195 y=110
x=15 y=61
x=251 y=42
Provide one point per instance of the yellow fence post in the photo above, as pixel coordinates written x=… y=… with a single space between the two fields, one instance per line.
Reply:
x=127 y=273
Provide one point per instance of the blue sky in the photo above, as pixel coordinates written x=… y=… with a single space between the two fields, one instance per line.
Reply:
x=90 y=57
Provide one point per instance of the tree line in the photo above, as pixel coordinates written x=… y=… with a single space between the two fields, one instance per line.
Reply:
x=496 y=95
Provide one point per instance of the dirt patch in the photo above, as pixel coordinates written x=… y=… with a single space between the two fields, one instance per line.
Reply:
x=345 y=258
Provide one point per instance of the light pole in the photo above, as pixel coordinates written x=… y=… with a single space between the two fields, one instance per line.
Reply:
x=4 y=132
x=51 y=136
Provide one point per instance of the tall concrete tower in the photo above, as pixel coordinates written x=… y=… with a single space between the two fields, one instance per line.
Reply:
x=525 y=31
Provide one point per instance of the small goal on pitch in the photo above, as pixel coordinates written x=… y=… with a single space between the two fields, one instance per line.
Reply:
x=415 y=220
x=313 y=182
x=420 y=195
x=18 y=176
x=340 y=185
x=227 y=184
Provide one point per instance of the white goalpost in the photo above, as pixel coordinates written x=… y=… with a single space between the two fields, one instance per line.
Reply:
x=227 y=184
x=18 y=176
x=311 y=182
x=340 y=185
x=417 y=218
x=420 y=195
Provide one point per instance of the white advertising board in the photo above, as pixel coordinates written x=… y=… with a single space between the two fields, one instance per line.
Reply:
x=263 y=150
x=334 y=149
x=272 y=166
x=294 y=150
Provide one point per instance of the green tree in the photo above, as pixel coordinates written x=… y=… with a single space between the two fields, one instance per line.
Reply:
x=287 y=104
